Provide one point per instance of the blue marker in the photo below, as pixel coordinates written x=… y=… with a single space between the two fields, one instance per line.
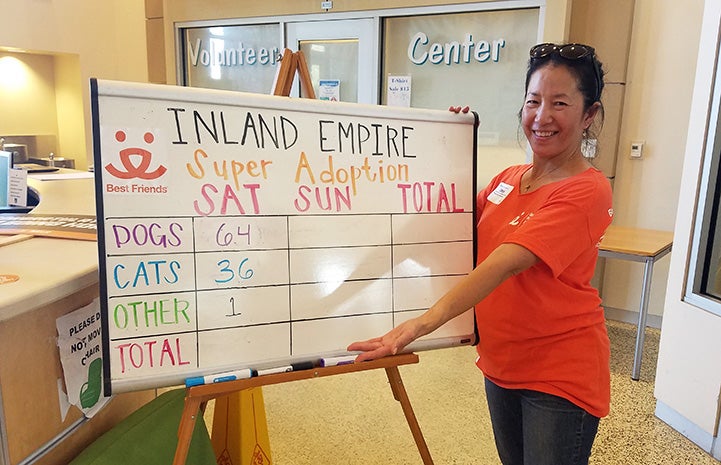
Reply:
x=245 y=373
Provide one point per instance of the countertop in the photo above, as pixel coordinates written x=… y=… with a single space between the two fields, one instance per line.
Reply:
x=50 y=269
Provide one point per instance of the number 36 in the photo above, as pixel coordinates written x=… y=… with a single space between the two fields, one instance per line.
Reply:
x=243 y=271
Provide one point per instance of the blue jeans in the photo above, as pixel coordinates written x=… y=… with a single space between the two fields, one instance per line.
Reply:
x=534 y=428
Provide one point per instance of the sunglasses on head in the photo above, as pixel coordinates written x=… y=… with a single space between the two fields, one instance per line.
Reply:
x=570 y=52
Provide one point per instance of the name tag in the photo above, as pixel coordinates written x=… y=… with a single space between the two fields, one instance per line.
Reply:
x=500 y=193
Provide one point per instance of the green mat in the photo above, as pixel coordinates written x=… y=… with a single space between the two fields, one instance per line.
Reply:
x=149 y=436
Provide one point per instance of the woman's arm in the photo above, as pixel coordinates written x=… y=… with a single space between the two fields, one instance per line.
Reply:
x=507 y=260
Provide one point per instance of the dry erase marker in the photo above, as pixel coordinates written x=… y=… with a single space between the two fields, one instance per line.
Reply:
x=245 y=373
x=285 y=369
x=302 y=366
x=274 y=370
x=332 y=361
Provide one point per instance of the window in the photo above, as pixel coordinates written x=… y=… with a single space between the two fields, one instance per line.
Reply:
x=471 y=58
x=241 y=58
x=475 y=58
x=704 y=289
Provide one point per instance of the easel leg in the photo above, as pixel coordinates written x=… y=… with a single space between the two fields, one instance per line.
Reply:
x=400 y=394
x=185 y=430
x=196 y=397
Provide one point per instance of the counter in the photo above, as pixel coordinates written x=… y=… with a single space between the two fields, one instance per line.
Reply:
x=56 y=277
x=66 y=266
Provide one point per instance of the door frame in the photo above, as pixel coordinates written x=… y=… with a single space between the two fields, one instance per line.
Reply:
x=366 y=30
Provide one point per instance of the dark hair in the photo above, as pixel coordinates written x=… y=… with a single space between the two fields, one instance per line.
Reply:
x=582 y=62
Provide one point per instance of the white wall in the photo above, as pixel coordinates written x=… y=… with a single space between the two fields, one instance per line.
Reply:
x=662 y=58
x=109 y=36
x=106 y=39
x=688 y=379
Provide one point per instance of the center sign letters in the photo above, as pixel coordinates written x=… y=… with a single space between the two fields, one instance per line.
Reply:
x=243 y=230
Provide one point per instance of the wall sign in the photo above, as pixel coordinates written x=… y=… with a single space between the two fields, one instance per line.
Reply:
x=421 y=50
x=242 y=58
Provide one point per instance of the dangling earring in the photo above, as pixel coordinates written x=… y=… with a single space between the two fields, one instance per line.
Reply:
x=588 y=146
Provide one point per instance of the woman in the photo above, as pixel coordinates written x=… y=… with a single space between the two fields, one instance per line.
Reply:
x=543 y=346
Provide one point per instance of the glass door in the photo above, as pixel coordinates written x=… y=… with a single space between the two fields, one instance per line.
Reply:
x=341 y=57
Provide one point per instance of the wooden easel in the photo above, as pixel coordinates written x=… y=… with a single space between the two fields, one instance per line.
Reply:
x=290 y=63
x=198 y=395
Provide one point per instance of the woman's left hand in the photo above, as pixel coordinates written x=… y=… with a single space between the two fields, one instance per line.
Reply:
x=390 y=343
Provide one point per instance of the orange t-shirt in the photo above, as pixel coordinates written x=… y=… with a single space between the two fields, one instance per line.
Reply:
x=544 y=329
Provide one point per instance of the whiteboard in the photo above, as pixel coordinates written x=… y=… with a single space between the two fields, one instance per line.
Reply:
x=243 y=230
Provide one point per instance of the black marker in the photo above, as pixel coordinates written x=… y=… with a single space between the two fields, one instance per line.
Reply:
x=285 y=368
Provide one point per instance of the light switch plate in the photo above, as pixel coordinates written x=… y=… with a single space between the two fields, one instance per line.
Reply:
x=636 y=150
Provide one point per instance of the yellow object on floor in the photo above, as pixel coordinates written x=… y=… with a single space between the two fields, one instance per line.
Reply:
x=240 y=430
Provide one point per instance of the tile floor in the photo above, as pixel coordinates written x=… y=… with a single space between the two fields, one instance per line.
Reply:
x=353 y=419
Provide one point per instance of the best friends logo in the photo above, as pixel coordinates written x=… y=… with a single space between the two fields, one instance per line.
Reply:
x=135 y=163
x=126 y=158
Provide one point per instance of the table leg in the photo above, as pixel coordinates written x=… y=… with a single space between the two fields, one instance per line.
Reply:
x=642 y=314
